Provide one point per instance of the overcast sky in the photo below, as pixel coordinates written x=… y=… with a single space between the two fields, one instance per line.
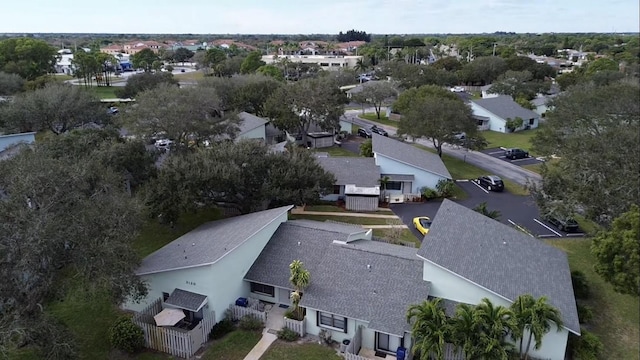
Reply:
x=318 y=16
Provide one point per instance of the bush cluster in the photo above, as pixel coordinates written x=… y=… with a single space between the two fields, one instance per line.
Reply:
x=287 y=334
x=126 y=336
x=251 y=323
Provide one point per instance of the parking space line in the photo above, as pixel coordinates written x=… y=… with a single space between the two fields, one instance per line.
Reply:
x=575 y=235
x=524 y=230
x=521 y=159
x=547 y=227
x=547 y=236
x=479 y=187
x=496 y=152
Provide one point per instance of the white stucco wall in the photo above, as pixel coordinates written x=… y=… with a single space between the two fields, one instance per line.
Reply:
x=333 y=197
x=496 y=123
x=346 y=126
x=422 y=178
x=257 y=133
x=227 y=277
x=196 y=280
x=280 y=296
x=447 y=285
x=312 y=327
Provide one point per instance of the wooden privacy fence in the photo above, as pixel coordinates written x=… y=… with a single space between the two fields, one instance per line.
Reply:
x=239 y=312
x=171 y=340
x=295 y=325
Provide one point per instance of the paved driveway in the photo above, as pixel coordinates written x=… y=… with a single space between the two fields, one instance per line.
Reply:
x=498 y=153
x=515 y=210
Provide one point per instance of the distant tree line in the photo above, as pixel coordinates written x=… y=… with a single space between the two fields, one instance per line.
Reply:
x=353 y=35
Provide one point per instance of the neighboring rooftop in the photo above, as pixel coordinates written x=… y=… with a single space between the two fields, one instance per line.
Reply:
x=209 y=242
x=249 y=122
x=359 y=171
x=504 y=107
x=410 y=155
x=365 y=279
x=500 y=258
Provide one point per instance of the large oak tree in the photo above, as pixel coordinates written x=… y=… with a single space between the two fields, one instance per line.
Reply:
x=295 y=107
x=595 y=132
x=64 y=217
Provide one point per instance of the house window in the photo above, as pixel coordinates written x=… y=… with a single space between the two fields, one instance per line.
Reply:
x=383 y=341
x=263 y=289
x=332 y=321
x=336 y=189
x=165 y=296
x=394 y=185
x=532 y=121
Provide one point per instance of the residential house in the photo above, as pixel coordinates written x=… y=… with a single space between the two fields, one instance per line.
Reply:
x=541 y=104
x=64 y=64
x=349 y=47
x=407 y=168
x=112 y=49
x=357 y=181
x=135 y=47
x=252 y=127
x=209 y=262
x=359 y=290
x=468 y=256
x=494 y=112
x=485 y=92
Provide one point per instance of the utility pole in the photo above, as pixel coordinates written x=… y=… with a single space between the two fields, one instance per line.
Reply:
x=494 y=49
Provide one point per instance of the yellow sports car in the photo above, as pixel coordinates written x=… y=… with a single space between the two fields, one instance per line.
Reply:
x=422 y=223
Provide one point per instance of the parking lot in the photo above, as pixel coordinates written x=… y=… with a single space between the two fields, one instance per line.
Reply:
x=517 y=211
x=498 y=153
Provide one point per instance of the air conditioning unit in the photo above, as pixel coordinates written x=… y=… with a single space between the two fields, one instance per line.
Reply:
x=396 y=199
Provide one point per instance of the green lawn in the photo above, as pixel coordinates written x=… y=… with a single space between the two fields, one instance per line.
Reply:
x=519 y=139
x=104 y=92
x=345 y=219
x=616 y=319
x=324 y=208
x=461 y=170
x=405 y=235
x=189 y=76
x=383 y=119
x=234 y=346
x=337 y=151
x=280 y=350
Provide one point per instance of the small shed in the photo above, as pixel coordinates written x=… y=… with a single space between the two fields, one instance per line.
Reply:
x=317 y=140
x=360 y=198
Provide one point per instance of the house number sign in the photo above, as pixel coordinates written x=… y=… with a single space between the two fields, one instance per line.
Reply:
x=191 y=283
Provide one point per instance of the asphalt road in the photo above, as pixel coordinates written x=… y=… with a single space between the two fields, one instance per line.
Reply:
x=498 y=153
x=492 y=165
x=515 y=210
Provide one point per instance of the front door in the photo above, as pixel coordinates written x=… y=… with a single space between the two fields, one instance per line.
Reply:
x=283 y=296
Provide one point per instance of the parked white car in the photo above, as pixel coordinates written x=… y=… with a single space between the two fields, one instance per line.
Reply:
x=163 y=144
x=457 y=89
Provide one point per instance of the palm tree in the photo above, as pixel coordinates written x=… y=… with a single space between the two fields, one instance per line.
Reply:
x=534 y=316
x=494 y=323
x=482 y=209
x=430 y=328
x=465 y=334
x=361 y=65
x=300 y=279
x=383 y=183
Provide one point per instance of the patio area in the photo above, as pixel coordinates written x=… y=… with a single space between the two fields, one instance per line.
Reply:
x=275 y=317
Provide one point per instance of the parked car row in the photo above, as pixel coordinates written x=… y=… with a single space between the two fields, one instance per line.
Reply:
x=367 y=133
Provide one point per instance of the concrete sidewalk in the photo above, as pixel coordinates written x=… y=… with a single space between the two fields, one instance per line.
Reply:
x=262 y=346
x=300 y=211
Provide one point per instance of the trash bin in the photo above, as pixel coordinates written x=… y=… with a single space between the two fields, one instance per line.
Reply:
x=401 y=353
x=343 y=346
x=244 y=302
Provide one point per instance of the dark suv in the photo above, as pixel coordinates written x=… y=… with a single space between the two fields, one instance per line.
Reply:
x=516 y=154
x=379 y=131
x=563 y=223
x=491 y=182
x=364 y=133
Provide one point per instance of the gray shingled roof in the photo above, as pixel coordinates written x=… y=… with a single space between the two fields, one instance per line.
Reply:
x=184 y=299
x=504 y=107
x=249 y=122
x=500 y=258
x=359 y=171
x=209 y=242
x=410 y=155
x=341 y=283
